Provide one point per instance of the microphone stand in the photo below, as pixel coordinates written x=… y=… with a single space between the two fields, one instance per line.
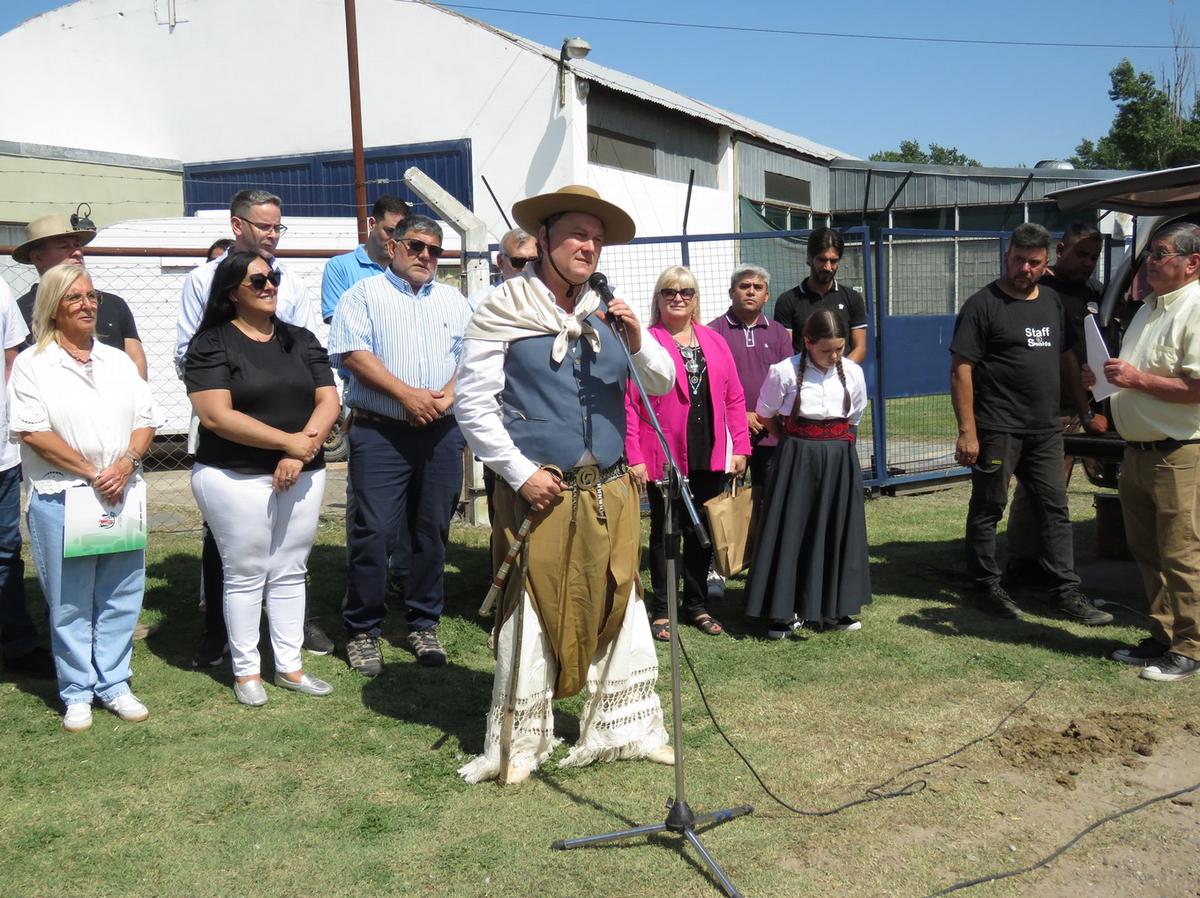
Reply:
x=680 y=820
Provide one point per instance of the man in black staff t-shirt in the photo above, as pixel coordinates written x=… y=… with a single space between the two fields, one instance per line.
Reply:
x=1010 y=352
x=1071 y=278
x=50 y=240
x=820 y=290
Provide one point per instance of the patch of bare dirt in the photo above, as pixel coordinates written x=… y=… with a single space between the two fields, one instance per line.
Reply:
x=1064 y=750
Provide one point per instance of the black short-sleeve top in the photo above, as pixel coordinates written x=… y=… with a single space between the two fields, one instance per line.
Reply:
x=273 y=382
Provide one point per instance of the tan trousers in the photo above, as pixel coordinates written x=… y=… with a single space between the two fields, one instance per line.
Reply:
x=1159 y=502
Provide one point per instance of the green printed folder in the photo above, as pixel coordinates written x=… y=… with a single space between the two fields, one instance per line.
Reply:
x=92 y=528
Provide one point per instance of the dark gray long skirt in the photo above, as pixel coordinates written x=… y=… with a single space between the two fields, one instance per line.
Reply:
x=811 y=559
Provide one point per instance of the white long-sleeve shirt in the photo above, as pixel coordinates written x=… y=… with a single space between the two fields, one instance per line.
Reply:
x=481 y=380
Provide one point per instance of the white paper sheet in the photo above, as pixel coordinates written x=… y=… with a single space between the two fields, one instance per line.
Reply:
x=1097 y=355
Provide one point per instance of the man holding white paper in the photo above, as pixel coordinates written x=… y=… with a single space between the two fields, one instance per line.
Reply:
x=1157 y=411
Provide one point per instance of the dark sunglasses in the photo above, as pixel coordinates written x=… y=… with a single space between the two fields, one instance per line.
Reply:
x=519 y=262
x=416 y=247
x=260 y=281
x=669 y=293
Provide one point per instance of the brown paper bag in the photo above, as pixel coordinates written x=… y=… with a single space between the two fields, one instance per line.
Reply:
x=731 y=526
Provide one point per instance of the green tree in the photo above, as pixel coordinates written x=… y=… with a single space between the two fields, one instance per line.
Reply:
x=910 y=151
x=1151 y=128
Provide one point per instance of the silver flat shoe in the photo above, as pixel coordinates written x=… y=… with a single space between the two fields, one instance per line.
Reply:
x=309 y=685
x=250 y=693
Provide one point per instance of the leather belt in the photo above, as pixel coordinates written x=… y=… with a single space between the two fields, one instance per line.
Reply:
x=1159 y=445
x=591 y=477
x=361 y=414
x=587 y=476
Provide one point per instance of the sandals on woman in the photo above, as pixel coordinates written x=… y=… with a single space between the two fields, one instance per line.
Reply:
x=708 y=625
x=660 y=629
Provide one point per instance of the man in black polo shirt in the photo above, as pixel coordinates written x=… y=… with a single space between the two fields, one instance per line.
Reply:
x=1071 y=278
x=50 y=240
x=820 y=290
x=1010 y=352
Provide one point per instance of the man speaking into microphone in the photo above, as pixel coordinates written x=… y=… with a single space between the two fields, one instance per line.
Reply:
x=541 y=390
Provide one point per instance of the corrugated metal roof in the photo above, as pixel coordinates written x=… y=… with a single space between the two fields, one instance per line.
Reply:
x=662 y=96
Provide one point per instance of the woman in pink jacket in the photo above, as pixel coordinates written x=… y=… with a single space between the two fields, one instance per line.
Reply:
x=704 y=419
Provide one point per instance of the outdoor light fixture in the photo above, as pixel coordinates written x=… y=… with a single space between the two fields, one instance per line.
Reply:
x=572 y=48
x=82 y=222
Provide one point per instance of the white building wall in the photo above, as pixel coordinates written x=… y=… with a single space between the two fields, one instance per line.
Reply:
x=240 y=79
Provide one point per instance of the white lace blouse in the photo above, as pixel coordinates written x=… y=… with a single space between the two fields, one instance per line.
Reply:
x=93 y=407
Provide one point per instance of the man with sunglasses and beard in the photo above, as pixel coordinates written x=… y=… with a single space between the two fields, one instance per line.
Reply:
x=254 y=217
x=399 y=335
x=1012 y=348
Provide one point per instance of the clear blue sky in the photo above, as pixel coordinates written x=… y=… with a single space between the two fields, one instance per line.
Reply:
x=1001 y=105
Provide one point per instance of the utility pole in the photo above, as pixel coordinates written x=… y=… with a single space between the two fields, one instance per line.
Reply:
x=356 y=136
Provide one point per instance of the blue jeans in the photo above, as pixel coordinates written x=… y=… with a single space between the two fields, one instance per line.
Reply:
x=17 y=634
x=93 y=602
x=400 y=473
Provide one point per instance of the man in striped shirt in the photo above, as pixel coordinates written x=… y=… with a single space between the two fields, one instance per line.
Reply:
x=399 y=335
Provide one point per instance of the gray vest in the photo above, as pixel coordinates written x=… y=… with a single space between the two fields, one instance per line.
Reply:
x=554 y=411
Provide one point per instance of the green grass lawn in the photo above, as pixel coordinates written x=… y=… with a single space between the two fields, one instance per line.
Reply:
x=356 y=794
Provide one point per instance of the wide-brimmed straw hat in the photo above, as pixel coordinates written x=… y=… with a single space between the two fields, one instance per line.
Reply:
x=530 y=213
x=53 y=225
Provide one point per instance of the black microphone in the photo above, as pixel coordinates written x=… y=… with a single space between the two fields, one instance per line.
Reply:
x=599 y=283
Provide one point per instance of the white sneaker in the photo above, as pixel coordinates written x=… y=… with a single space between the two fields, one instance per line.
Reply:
x=128 y=708
x=793 y=628
x=78 y=717
x=843 y=623
x=716 y=585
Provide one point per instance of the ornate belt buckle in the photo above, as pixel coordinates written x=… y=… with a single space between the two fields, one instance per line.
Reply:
x=587 y=476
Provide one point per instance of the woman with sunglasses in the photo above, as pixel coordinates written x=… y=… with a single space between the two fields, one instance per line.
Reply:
x=84 y=417
x=704 y=420
x=266 y=400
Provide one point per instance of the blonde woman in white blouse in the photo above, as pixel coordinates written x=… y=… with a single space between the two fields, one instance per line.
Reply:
x=83 y=416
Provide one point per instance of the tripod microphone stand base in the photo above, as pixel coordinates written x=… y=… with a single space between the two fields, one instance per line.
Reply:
x=680 y=820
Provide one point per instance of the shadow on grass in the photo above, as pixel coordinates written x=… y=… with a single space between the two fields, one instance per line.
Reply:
x=935 y=570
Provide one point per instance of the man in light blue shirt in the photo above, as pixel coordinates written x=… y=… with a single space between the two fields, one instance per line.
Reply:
x=367 y=259
x=341 y=273
x=399 y=335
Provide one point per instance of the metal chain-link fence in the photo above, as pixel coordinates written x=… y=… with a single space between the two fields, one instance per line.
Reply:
x=913 y=282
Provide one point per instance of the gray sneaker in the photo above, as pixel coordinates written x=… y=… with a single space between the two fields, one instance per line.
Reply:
x=362 y=651
x=1078 y=608
x=1170 y=667
x=425 y=645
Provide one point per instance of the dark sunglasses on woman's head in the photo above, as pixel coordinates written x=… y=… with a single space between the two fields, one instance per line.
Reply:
x=668 y=293
x=259 y=281
x=416 y=247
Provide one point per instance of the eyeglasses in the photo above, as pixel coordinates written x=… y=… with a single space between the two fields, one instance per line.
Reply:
x=519 y=262
x=259 y=281
x=266 y=228
x=76 y=299
x=1159 y=254
x=669 y=293
x=416 y=247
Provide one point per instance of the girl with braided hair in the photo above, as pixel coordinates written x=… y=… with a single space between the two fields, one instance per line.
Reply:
x=811 y=563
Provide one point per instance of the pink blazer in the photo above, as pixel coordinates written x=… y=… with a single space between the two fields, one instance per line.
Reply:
x=730 y=434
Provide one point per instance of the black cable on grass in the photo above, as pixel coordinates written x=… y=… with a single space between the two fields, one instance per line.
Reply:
x=873 y=793
x=1008 y=874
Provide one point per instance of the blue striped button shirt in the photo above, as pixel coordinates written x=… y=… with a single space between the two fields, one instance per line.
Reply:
x=417 y=336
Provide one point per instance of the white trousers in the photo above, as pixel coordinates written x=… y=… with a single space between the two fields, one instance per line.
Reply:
x=622 y=717
x=264 y=538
